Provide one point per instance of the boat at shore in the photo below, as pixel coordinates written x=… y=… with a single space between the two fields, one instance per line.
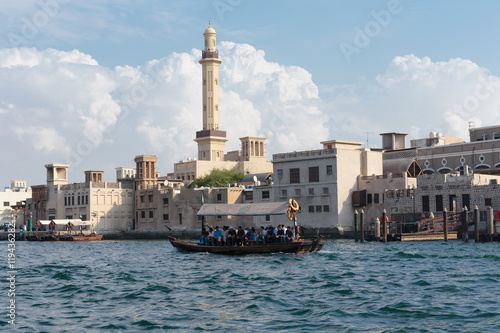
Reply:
x=298 y=245
x=82 y=235
x=65 y=238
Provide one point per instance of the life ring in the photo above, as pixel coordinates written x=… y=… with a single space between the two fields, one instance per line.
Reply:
x=69 y=225
x=293 y=205
x=290 y=213
x=386 y=219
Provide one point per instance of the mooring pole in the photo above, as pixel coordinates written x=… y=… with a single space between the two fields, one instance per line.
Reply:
x=465 y=225
x=445 y=224
x=476 y=224
x=356 y=215
x=362 y=225
x=384 y=224
x=489 y=223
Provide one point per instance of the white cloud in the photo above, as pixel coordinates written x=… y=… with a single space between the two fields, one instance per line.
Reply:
x=89 y=116
x=417 y=96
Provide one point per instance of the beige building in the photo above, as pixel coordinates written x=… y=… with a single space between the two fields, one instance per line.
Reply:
x=13 y=201
x=110 y=206
x=211 y=139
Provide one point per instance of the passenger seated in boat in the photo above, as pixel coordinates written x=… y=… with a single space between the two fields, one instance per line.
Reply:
x=204 y=236
x=210 y=236
x=240 y=236
x=270 y=238
x=252 y=237
x=289 y=234
x=231 y=236
x=225 y=232
x=280 y=235
x=261 y=236
x=217 y=236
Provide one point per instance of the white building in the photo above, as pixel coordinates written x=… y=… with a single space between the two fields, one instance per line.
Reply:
x=12 y=199
x=322 y=182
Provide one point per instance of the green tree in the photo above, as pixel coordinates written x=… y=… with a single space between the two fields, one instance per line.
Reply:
x=218 y=178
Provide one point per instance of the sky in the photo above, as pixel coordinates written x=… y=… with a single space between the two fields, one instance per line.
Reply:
x=95 y=83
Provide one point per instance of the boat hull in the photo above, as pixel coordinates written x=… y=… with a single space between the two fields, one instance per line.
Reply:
x=302 y=246
x=65 y=238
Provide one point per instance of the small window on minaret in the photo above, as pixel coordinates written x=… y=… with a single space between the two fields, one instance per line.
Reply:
x=205 y=108
x=216 y=81
x=204 y=81
x=216 y=107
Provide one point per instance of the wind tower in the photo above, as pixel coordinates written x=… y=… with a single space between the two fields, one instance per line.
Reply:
x=211 y=140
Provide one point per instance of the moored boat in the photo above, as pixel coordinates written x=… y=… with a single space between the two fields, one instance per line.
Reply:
x=82 y=235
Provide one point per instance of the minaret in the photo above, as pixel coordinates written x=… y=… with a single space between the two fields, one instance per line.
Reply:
x=211 y=141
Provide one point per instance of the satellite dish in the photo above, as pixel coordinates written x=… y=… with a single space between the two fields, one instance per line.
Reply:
x=254 y=178
x=166 y=183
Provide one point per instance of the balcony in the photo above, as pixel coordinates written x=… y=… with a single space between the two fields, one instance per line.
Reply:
x=212 y=55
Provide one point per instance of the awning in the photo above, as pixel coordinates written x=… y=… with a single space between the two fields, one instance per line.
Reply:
x=254 y=209
x=75 y=222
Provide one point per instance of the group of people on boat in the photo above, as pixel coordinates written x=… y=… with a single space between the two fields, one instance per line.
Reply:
x=228 y=236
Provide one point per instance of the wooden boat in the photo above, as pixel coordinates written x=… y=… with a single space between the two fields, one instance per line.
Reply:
x=300 y=246
x=65 y=238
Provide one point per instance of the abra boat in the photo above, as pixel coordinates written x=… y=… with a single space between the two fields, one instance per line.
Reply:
x=61 y=225
x=299 y=245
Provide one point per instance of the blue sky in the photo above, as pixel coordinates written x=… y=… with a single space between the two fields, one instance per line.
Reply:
x=341 y=69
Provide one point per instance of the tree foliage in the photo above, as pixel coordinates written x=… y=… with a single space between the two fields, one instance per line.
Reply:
x=219 y=178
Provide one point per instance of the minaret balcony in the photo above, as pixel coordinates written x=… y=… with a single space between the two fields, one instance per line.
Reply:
x=214 y=55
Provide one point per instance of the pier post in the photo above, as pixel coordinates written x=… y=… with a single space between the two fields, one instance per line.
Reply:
x=362 y=225
x=377 y=229
x=489 y=222
x=465 y=225
x=445 y=224
x=476 y=224
x=356 y=215
x=384 y=224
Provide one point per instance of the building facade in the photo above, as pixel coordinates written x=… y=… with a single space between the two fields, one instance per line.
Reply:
x=13 y=202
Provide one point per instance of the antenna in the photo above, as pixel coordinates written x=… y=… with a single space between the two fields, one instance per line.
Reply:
x=367 y=134
x=255 y=179
x=166 y=182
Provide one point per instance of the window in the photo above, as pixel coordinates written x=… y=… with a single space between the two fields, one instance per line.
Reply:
x=376 y=198
x=65 y=201
x=143 y=214
x=180 y=218
x=86 y=199
x=298 y=192
x=280 y=173
x=465 y=200
x=294 y=176
x=165 y=217
x=326 y=190
x=151 y=214
x=72 y=201
x=219 y=197
x=313 y=174
x=311 y=191
x=329 y=170
x=165 y=201
x=78 y=200
x=268 y=218
x=150 y=198
x=265 y=194
x=318 y=209
x=326 y=208
x=369 y=198
x=389 y=193
x=487 y=202
x=6 y=203
x=425 y=203
x=219 y=217
x=453 y=203
x=284 y=193
x=311 y=209
x=142 y=199
x=439 y=203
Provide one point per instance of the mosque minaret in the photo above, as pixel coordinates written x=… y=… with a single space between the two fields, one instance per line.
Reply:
x=211 y=140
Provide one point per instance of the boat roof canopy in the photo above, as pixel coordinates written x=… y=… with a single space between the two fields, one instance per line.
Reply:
x=75 y=222
x=254 y=209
